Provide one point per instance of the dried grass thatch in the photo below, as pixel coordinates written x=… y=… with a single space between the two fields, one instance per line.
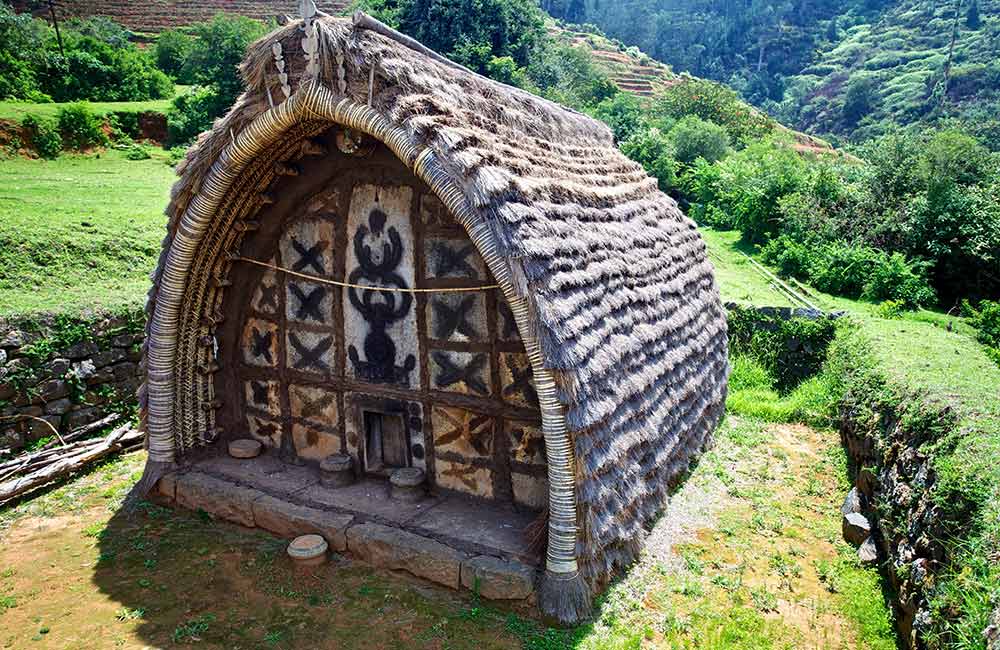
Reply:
x=613 y=288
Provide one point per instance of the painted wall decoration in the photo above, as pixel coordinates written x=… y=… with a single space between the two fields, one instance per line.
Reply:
x=436 y=380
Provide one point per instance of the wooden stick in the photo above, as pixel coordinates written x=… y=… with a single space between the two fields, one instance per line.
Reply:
x=118 y=439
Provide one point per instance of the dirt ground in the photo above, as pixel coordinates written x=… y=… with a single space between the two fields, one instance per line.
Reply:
x=747 y=556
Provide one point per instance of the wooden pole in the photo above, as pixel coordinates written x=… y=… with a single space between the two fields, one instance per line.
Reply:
x=55 y=23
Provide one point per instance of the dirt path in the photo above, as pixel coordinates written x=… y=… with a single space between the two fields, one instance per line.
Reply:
x=747 y=556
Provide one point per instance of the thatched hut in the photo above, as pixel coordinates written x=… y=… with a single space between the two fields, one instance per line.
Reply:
x=381 y=255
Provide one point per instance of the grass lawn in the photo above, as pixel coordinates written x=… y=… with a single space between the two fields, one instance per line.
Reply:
x=15 y=111
x=79 y=232
x=755 y=562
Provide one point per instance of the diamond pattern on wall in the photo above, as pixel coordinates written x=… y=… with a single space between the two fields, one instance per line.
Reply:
x=462 y=432
x=464 y=478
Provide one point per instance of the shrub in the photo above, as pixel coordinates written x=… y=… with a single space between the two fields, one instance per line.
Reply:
x=986 y=319
x=80 y=127
x=45 y=136
x=193 y=113
x=137 y=152
x=790 y=350
x=651 y=149
x=714 y=103
x=693 y=138
x=623 y=112
x=893 y=277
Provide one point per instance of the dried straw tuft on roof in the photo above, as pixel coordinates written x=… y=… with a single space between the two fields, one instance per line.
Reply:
x=622 y=295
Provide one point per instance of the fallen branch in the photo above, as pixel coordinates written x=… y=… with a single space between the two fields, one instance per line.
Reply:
x=55 y=447
x=72 y=459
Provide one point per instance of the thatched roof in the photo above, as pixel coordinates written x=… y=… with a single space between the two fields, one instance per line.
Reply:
x=618 y=290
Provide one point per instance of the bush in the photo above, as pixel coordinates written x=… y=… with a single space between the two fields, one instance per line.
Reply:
x=693 y=138
x=192 y=113
x=893 y=277
x=623 y=112
x=986 y=319
x=790 y=350
x=651 y=149
x=45 y=136
x=80 y=127
x=714 y=103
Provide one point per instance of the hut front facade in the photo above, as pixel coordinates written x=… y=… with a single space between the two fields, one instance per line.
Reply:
x=380 y=258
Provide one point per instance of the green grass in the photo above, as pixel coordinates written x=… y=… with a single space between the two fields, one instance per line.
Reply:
x=79 y=232
x=15 y=111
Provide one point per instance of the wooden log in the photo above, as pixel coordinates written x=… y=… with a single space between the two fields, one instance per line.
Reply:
x=74 y=459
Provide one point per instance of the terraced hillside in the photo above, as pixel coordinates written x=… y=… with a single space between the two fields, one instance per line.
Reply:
x=157 y=15
x=634 y=73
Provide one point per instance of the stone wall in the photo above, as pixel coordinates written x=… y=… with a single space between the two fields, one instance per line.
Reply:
x=67 y=371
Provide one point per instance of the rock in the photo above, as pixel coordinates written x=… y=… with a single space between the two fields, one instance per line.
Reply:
x=992 y=631
x=125 y=371
x=289 y=520
x=84 y=369
x=82 y=350
x=77 y=419
x=392 y=548
x=856 y=528
x=12 y=339
x=497 y=579
x=38 y=430
x=108 y=357
x=3 y=356
x=6 y=391
x=122 y=341
x=101 y=376
x=853 y=502
x=220 y=499
x=59 y=406
x=868 y=552
x=918 y=571
x=53 y=389
x=59 y=367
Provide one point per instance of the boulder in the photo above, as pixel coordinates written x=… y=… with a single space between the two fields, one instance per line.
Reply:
x=12 y=339
x=59 y=367
x=853 y=502
x=82 y=350
x=496 y=579
x=856 y=528
x=392 y=548
x=868 y=552
x=59 y=406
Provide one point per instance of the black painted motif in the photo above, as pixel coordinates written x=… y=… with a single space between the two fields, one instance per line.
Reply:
x=380 y=309
x=451 y=373
x=449 y=320
x=310 y=302
x=261 y=345
x=310 y=358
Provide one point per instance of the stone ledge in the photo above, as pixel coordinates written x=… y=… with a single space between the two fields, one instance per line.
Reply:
x=166 y=489
x=497 y=579
x=393 y=548
x=289 y=520
x=218 y=498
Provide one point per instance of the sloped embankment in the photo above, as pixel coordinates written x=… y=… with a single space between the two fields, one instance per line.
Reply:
x=920 y=415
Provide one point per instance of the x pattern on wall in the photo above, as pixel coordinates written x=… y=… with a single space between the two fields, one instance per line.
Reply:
x=300 y=352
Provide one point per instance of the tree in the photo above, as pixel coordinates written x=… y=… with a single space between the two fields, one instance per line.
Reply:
x=972 y=19
x=858 y=100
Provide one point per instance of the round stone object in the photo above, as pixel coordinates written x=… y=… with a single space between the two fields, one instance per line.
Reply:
x=244 y=448
x=407 y=484
x=336 y=471
x=308 y=550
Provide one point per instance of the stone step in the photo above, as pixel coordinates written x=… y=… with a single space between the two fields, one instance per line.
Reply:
x=383 y=547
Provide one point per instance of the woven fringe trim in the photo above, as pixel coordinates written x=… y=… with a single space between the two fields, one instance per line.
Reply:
x=151 y=475
x=565 y=598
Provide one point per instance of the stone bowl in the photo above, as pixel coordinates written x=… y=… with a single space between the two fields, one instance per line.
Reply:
x=407 y=484
x=245 y=448
x=336 y=471
x=308 y=551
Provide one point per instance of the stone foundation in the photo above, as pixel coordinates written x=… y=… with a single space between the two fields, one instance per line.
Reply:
x=449 y=540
